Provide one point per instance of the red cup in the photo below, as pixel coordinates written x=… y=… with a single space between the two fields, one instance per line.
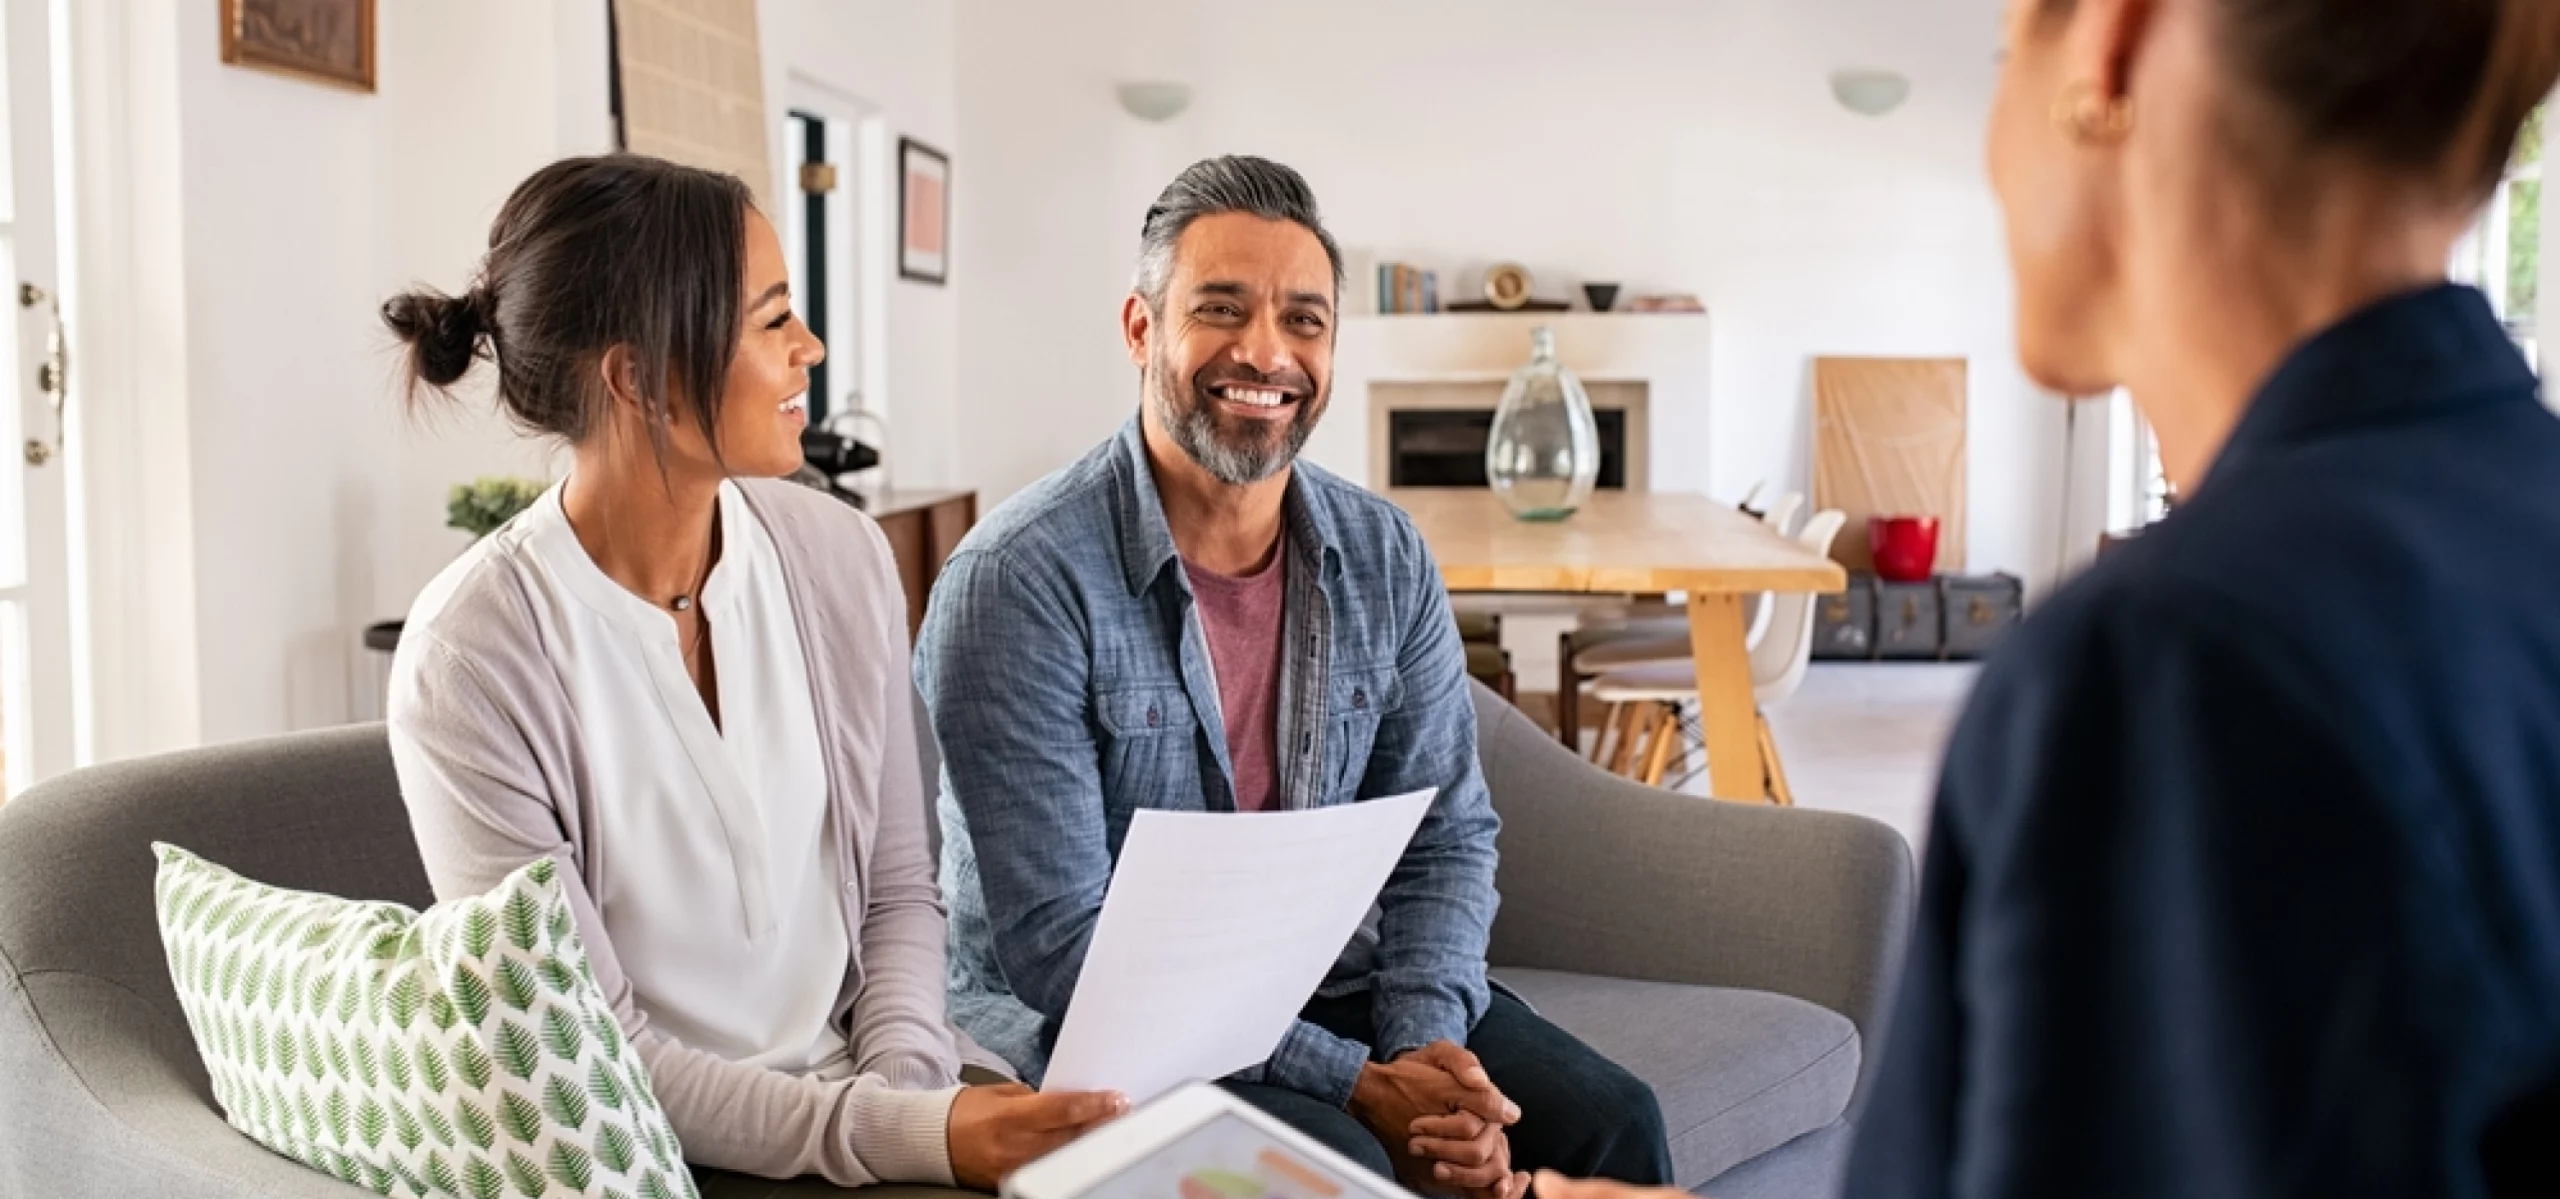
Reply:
x=1906 y=547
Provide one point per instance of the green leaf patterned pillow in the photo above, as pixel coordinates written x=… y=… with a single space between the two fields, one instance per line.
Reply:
x=465 y=1052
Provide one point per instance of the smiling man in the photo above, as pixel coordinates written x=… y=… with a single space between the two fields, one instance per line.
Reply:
x=1190 y=619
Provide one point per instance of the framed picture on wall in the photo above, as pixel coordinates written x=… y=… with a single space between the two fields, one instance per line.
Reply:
x=330 y=41
x=924 y=212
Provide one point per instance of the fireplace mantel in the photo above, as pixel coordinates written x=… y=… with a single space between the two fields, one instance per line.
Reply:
x=1652 y=365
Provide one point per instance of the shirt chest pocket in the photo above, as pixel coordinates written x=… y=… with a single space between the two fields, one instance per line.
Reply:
x=1357 y=700
x=1150 y=749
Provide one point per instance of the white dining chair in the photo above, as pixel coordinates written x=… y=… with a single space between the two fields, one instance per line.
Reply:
x=1652 y=631
x=1665 y=638
x=1645 y=724
x=1782 y=514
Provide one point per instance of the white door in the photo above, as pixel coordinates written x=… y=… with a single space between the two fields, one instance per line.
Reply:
x=36 y=726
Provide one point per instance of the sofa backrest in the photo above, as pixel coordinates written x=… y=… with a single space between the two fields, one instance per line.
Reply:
x=1605 y=876
x=321 y=812
x=312 y=811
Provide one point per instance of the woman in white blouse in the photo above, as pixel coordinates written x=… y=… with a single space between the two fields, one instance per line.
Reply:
x=687 y=681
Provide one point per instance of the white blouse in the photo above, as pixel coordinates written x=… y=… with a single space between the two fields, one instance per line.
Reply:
x=724 y=912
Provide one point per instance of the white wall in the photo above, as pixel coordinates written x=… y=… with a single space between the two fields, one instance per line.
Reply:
x=124 y=301
x=1670 y=144
x=317 y=508
x=895 y=58
x=1687 y=145
x=272 y=459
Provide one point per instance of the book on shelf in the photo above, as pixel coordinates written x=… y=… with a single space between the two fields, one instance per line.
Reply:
x=1406 y=290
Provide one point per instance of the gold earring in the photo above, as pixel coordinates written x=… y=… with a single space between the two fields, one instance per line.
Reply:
x=2091 y=118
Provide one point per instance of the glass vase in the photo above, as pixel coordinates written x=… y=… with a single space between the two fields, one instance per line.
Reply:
x=1544 y=454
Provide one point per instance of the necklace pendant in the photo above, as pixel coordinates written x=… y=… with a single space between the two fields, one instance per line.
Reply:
x=683 y=603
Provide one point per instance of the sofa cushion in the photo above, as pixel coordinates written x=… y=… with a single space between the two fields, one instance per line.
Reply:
x=1738 y=1073
x=456 y=1053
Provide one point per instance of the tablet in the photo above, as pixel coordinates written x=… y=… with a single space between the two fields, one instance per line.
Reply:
x=1197 y=1143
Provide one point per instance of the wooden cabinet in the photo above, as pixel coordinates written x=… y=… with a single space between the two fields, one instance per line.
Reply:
x=923 y=528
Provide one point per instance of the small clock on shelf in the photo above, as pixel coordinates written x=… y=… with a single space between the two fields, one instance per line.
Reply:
x=1507 y=286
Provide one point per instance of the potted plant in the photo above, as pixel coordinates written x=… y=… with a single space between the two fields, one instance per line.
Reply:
x=481 y=506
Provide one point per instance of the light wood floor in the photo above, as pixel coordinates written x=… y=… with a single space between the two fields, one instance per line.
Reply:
x=1859 y=738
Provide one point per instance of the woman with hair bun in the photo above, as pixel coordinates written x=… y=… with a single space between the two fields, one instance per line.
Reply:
x=686 y=681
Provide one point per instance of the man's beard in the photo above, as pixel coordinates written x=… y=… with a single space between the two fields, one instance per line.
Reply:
x=1237 y=452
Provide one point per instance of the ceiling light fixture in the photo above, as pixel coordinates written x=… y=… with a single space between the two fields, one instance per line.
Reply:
x=1156 y=101
x=1870 y=92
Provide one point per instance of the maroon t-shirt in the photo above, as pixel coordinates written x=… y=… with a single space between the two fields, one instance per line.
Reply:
x=1242 y=619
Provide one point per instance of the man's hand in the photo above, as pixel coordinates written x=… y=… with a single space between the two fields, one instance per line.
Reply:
x=1411 y=1105
x=1552 y=1185
x=1463 y=1147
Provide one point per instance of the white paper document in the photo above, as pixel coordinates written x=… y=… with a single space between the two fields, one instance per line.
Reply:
x=1217 y=929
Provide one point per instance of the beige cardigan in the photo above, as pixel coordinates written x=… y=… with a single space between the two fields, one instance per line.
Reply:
x=492 y=767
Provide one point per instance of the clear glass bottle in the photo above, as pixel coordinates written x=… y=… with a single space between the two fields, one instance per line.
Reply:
x=1544 y=454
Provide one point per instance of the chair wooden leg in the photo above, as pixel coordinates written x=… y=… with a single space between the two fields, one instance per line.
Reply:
x=1568 y=695
x=1599 y=754
x=1630 y=738
x=1638 y=717
x=1666 y=733
x=1640 y=734
x=1779 y=793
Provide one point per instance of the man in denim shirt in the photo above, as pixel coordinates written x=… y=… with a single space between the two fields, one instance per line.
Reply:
x=1190 y=620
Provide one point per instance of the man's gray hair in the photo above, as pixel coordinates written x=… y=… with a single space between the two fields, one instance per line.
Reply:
x=1214 y=185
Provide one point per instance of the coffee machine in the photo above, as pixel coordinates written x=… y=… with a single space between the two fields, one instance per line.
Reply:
x=829 y=456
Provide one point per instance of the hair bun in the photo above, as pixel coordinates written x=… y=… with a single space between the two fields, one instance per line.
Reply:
x=443 y=332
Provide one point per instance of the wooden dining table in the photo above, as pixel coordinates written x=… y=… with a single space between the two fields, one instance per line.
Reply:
x=1641 y=543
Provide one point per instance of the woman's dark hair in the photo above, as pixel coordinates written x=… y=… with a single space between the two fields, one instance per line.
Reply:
x=2434 y=88
x=589 y=254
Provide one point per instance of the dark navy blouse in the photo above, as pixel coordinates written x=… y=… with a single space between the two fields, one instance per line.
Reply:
x=2245 y=873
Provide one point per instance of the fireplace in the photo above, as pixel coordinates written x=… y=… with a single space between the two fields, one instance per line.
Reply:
x=1444 y=447
x=1432 y=433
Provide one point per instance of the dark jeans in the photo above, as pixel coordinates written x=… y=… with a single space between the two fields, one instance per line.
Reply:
x=1580 y=1113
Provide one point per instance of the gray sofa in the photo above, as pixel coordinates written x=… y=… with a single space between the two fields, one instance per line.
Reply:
x=1735 y=957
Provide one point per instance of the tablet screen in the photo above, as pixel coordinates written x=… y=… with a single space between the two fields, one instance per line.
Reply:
x=1227 y=1158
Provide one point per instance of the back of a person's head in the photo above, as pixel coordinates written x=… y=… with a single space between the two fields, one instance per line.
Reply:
x=2430 y=91
x=2151 y=155
x=589 y=255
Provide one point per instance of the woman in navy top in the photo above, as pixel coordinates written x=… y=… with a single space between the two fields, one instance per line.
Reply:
x=2245 y=872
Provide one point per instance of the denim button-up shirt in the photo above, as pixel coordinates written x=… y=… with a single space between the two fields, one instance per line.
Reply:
x=1069 y=679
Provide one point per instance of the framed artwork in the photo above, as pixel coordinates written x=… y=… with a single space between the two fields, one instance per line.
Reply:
x=924 y=212
x=330 y=41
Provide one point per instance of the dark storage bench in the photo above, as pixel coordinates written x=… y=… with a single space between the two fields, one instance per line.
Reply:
x=1953 y=618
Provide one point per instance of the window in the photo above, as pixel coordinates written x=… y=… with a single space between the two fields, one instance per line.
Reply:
x=2503 y=253
x=2137 y=486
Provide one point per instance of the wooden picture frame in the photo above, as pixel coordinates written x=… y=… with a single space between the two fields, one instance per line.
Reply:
x=325 y=41
x=924 y=212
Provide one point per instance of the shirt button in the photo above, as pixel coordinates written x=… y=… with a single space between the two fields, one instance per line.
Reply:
x=1360 y=698
x=1155 y=718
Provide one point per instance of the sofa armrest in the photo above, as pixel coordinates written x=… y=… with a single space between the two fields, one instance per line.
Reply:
x=92 y=1108
x=1607 y=877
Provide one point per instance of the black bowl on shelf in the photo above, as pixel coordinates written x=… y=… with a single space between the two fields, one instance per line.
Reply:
x=1602 y=295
